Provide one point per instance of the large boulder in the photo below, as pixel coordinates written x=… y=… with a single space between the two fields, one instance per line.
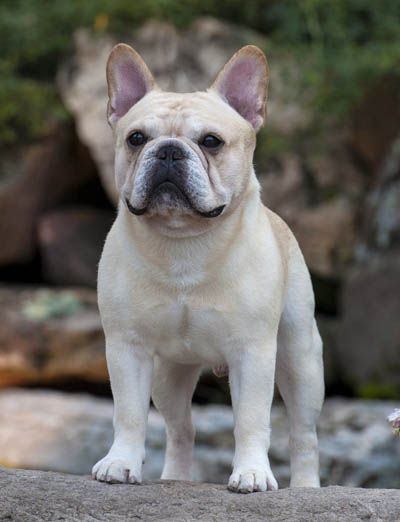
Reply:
x=46 y=497
x=375 y=122
x=51 y=430
x=70 y=244
x=50 y=336
x=368 y=346
x=33 y=179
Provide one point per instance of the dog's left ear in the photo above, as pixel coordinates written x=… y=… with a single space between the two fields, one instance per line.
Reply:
x=243 y=84
x=129 y=80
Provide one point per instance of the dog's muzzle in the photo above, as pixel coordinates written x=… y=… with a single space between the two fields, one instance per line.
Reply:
x=167 y=184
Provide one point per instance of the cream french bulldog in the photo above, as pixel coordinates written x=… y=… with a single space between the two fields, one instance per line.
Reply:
x=197 y=272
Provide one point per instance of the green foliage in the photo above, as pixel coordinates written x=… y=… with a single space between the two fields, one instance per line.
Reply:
x=342 y=46
x=48 y=304
x=376 y=390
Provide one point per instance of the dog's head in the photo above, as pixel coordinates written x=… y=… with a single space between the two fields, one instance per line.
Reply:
x=184 y=158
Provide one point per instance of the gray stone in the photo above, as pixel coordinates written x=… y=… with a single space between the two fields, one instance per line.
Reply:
x=368 y=346
x=381 y=226
x=51 y=430
x=46 y=497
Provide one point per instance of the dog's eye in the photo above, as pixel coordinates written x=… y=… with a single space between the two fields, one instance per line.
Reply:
x=136 y=139
x=211 y=142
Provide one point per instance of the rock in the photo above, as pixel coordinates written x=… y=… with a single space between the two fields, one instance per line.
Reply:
x=381 y=216
x=375 y=121
x=49 y=336
x=282 y=189
x=46 y=497
x=320 y=207
x=70 y=244
x=357 y=446
x=34 y=178
x=56 y=431
x=60 y=432
x=368 y=345
x=326 y=235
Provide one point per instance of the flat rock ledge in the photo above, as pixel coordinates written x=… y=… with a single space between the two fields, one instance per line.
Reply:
x=36 y=496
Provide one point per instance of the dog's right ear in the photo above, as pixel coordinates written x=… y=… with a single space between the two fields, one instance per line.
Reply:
x=129 y=80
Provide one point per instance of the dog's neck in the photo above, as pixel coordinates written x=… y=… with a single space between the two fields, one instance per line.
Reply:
x=186 y=261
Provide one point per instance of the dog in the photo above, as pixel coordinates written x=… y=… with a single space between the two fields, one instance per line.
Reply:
x=197 y=272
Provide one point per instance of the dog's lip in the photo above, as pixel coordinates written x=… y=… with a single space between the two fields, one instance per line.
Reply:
x=165 y=185
x=134 y=210
x=215 y=212
x=171 y=186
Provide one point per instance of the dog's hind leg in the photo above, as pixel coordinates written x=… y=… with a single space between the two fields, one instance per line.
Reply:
x=173 y=386
x=299 y=375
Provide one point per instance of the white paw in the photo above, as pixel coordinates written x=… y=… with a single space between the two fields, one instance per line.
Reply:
x=114 y=469
x=250 y=480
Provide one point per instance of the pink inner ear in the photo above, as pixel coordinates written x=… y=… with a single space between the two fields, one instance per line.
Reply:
x=131 y=87
x=240 y=87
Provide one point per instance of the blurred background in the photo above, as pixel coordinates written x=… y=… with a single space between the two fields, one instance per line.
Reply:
x=328 y=162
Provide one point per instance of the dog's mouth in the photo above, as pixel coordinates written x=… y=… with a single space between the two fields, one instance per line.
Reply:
x=169 y=195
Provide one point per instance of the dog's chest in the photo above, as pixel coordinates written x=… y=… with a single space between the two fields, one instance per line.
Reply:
x=185 y=332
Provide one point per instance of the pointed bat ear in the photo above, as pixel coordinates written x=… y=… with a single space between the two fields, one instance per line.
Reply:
x=129 y=80
x=243 y=83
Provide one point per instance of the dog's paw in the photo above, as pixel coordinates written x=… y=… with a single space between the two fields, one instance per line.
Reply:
x=117 y=470
x=251 y=480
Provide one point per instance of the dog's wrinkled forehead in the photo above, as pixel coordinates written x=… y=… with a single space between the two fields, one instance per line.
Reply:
x=183 y=115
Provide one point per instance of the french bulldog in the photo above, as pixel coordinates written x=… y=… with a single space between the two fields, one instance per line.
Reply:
x=197 y=272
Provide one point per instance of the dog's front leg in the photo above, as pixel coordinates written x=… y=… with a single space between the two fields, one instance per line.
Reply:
x=130 y=369
x=251 y=375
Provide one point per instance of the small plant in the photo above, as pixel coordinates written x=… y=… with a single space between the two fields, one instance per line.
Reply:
x=48 y=304
x=394 y=419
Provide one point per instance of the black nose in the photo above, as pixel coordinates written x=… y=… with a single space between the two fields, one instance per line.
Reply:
x=169 y=153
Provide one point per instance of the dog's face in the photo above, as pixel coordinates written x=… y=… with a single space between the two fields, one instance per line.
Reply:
x=183 y=161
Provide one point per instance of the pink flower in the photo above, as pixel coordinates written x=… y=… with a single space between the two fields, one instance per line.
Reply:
x=394 y=419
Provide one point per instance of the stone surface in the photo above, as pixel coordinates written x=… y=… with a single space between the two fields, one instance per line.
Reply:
x=368 y=347
x=381 y=214
x=375 y=121
x=318 y=196
x=70 y=244
x=41 y=496
x=50 y=335
x=326 y=235
x=51 y=430
x=34 y=178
